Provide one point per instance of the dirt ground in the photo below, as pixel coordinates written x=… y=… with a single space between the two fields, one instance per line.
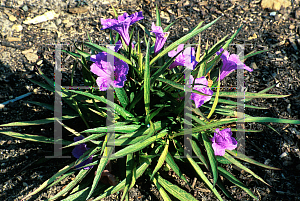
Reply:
x=21 y=167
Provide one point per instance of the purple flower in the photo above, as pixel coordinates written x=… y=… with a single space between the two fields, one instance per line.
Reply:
x=231 y=63
x=223 y=140
x=121 y=25
x=186 y=58
x=79 y=150
x=201 y=86
x=105 y=70
x=161 y=37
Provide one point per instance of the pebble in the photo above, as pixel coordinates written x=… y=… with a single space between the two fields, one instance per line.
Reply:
x=17 y=27
x=275 y=4
x=289 y=109
x=267 y=162
x=25 y=8
x=13 y=39
x=292 y=27
x=273 y=14
x=284 y=154
x=30 y=55
x=253 y=65
x=297 y=13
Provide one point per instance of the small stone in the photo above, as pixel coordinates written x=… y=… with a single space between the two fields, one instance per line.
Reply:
x=58 y=21
x=10 y=16
x=297 y=13
x=25 y=8
x=13 y=39
x=253 y=66
x=253 y=37
x=267 y=162
x=289 y=109
x=82 y=9
x=49 y=15
x=25 y=184
x=284 y=154
x=273 y=14
x=275 y=4
x=17 y=27
x=30 y=55
x=292 y=27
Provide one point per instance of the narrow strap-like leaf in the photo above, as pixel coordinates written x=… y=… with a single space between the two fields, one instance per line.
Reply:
x=238 y=164
x=175 y=190
x=211 y=157
x=203 y=177
x=235 y=181
x=161 y=159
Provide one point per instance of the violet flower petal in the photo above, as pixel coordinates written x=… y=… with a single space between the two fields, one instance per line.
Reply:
x=223 y=140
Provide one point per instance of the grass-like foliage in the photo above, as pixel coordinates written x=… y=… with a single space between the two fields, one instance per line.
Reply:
x=155 y=107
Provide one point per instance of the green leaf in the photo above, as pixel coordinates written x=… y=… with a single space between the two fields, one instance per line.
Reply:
x=238 y=164
x=162 y=192
x=182 y=40
x=271 y=119
x=161 y=159
x=169 y=26
x=119 y=129
x=35 y=138
x=109 y=51
x=103 y=162
x=175 y=190
x=72 y=184
x=250 y=95
x=147 y=81
x=178 y=86
x=129 y=174
x=113 y=189
x=198 y=153
x=235 y=181
x=158 y=21
x=117 y=108
x=138 y=146
x=122 y=96
x=203 y=177
x=234 y=103
x=251 y=54
x=216 y=99
x=249 y=160
x=49 y=181
x=208 y=126
x=211 y=157
x=38 y=122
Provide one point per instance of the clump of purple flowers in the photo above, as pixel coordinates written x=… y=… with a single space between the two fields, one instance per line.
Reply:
x=79 y=150
x=223 y=140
